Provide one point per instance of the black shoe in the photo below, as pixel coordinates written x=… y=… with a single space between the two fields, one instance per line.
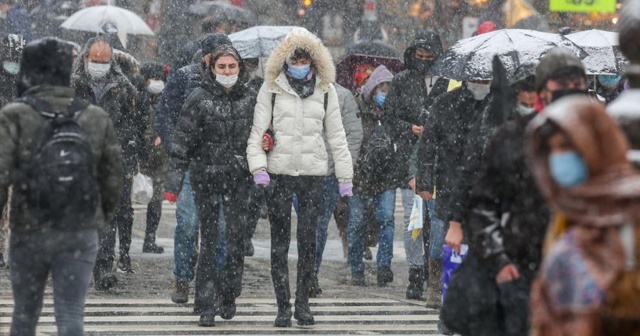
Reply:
x=228 y=309
x=106 y=281
x=249 y=251
x=415 y=288
x=284 y=317
x=207 y=320
x=367 y=254
x=357 y=279
x=315 y=289
x=303 y=315
x=124 y=265
x=152 y=247
x=443 y=329
x=385 y=275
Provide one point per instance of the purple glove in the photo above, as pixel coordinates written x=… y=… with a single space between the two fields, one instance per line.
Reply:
x=346 y=189
x=261 y=178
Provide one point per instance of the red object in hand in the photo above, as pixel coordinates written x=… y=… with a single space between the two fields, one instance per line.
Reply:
x=170 y=197
x=268 y=137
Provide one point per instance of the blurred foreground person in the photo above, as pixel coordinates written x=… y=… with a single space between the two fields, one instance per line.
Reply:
x=301 y=105
x=98 y=79
x=587 y=284
x=64 y=155
x=211 y=141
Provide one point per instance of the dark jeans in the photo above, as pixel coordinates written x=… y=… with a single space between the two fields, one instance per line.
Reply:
x=69 y=257
x=154 y=209
x=309 y=190
x=211 y=283
x=255 y=203
x=121 y=222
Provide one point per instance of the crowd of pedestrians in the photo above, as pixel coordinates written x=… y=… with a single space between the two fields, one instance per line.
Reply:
x=530 y=172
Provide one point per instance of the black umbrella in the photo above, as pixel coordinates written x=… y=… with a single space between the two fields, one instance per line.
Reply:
x=471 y=58
x=223 y=11
x=372 y=48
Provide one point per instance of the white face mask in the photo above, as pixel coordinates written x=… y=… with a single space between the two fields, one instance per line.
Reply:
x=479 y=91
x=11 y=67
x=98 y=70
x=525 y=111
x=227 y=81
x=155 y=86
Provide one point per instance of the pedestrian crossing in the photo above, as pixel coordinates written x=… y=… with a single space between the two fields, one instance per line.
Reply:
x=371 y=316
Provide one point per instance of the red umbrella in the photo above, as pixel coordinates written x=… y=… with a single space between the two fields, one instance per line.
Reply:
x=347 y=68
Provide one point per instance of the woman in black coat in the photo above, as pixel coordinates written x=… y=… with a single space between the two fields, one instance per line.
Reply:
x=211 y=141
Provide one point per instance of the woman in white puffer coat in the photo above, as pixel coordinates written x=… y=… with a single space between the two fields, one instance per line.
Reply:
x=300 y=105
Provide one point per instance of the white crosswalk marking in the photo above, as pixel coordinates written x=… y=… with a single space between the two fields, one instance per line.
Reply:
x=254 y=317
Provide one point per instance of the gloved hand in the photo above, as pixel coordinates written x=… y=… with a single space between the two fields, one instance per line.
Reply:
x=267 y=142
x=261 y=178
x=170 y=197
x=346 y=189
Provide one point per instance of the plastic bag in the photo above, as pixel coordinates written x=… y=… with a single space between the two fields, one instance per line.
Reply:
x=142 y=189
x=416 y=221
x=450 y=262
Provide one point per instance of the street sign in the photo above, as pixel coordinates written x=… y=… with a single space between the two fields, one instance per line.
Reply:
x=583 y=6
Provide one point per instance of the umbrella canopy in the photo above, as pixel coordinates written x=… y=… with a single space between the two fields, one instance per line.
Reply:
x=259 y=41
x=470 y=58
x=372 y=48
x=604 y=52
x=345 y=70
x=92 y=19
x=223 y=11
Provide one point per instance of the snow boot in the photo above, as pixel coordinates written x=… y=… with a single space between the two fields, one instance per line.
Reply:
x=303 y=314
x=415 y=288
x=284 y=316
x=228 y=309
x=180 y=293
x=434 y=285
x=385 y=275
x=357 y=278
x=207 y=320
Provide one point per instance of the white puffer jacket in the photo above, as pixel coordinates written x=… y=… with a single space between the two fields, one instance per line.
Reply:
x=298 y=124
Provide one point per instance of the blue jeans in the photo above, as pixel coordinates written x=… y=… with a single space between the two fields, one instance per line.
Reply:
x=437 y=232
x=69 y=257
x=187 y=225
x=330 y=201
x=385 y=206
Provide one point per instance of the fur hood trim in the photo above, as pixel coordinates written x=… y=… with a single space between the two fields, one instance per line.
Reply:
x=303 y=39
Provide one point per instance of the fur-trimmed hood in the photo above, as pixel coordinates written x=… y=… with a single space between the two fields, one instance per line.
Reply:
x=303 y=39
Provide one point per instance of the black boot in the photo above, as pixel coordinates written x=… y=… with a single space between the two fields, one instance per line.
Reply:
x=228 y=309
x=124 y=264
x=385 y=275
x=249 y=251
x=150 y=245
x=315 y=289
x=284 y=316
x=207 y=320
x=102 y=277
x=357 y=278
x=415 y=288
x=303 y=314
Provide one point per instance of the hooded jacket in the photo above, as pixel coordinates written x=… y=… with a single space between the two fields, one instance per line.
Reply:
x=350 y=114
x=595 y=211
x=299 y=124
x=211 y=136
x=443 y=142
x=118 y=99
x=407 y=99
x=18 y=124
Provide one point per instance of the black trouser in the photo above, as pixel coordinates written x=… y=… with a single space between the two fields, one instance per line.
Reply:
x=68 y=256
x=121 y=222
x=154 y=209
x=310 y=190
x=255 y=203
x=211 y=285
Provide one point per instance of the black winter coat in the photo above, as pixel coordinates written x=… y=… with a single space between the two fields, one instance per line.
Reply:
x=406 y=102
x=119 y=101
x=505 y=185
x=442 y=144
x=7 y=88
x=211 y=137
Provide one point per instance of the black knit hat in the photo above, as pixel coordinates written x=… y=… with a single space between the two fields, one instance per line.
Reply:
x=212 y=41
x=47 y=61
x=153 y=70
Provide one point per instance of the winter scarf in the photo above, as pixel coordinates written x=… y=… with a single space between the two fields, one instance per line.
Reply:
x=568 y=296
x=304 y=87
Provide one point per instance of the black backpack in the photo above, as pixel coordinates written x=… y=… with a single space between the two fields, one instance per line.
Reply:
x=378 y=161
x=61 y=187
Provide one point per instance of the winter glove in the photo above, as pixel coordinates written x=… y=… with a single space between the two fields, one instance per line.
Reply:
x=170 y=197
x=267 y=142
x=261 y=178
x=346 y=189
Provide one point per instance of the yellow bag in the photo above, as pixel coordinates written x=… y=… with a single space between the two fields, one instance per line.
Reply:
x=558 y=227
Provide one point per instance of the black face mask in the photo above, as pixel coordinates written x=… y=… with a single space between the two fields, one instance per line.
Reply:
x=555 y=95
x=423 y=66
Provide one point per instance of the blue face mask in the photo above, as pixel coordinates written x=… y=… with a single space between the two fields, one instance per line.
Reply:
x=380 y=97
x=609 y=81
x=568 y=169
x=299 y=71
